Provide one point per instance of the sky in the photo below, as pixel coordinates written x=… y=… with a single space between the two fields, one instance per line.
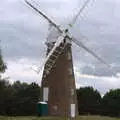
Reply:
x=23 y=33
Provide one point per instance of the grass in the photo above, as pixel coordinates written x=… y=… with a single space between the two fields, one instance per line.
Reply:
x=55 y=118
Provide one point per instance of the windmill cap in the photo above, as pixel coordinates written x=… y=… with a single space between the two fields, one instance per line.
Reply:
x=53 y=35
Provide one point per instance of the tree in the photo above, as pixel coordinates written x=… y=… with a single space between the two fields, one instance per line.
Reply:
x=25 y=98
x=6 y=93
x=3 y=85
x=111 y=103
x=18 y=98
x=3 y=66
x=88 y=100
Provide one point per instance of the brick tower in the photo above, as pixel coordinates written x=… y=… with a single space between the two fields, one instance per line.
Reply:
x=59 y=85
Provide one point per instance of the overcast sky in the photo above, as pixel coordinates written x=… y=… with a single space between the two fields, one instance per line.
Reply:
x=23 y=33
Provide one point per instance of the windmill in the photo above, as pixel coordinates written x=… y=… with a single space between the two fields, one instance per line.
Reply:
x=58 y=82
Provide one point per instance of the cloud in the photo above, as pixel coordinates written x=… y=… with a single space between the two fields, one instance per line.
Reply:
x=103 y=84
x=23 y=33
x=22 y=70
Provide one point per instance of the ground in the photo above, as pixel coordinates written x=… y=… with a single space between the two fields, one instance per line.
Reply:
x=51 y=118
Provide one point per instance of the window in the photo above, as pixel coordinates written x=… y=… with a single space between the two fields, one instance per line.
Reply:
x=70 y=72
x=45 y=93
x=69 y=56
x=72 y=91
x=55 y=107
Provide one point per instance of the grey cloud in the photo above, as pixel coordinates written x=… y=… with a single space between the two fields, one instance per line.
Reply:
x=102 y=30
x=99 y=83
x=14 y=45
x=98 y=70
x=22 y=31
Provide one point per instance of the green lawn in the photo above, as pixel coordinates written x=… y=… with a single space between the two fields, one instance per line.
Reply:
x=53 y=118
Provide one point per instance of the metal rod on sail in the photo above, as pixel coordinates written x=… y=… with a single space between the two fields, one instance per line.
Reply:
x=50 y=21
x=80 y=44
x=81 y=9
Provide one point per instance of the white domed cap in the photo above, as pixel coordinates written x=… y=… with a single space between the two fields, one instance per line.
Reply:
x=53 y=35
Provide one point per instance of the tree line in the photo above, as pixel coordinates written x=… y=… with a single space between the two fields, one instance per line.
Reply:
x=18 y=98
x=21 y=98
x=91 y=102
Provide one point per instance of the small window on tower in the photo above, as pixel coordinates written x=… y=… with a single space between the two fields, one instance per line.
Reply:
x=69 y=56
x=45 y=93
x=70 y=71
x=55 y=107
x=72 y=92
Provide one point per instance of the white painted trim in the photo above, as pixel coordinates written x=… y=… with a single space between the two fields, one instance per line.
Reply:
x=45 y=93
x=72 y=110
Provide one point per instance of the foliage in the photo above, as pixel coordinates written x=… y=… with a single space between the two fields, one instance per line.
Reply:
x=111 y=103
x=88 y=100
x=19 y=98
x=3 y=66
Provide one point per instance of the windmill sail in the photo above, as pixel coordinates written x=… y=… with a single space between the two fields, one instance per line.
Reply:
x=80 y=44
x=78 y=14
x=42 y=14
